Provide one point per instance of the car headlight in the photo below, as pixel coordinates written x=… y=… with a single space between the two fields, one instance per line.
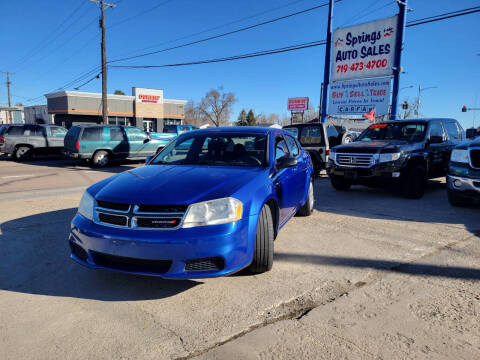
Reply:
x=213 y=212
x=86 y=205
x=332 y=155
x=459 y=155
x=388 y=157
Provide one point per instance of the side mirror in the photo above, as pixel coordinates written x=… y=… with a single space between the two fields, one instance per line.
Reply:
x=286 y=162
x=147 y=159
x=434 y=139
x=146 y=140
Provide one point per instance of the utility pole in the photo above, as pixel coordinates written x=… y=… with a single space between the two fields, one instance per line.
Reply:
x=102 y=4
x=8 y=92
x=420 y=89
x=397 y=64
x=326 y=70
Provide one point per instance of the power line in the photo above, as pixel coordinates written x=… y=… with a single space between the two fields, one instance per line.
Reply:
x=224 y=34
x=88 y=81
x=444 y=16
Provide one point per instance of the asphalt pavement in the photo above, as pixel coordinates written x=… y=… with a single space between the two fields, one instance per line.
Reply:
x=368 y=275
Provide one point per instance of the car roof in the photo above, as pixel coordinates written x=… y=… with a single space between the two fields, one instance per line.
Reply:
x=240 y=129
x=424 y=120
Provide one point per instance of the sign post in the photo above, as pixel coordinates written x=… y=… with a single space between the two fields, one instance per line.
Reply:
x=297 y=106
x=402 y=17
x=326 y=71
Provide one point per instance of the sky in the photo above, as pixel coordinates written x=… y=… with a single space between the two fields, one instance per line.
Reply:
x=47 y=44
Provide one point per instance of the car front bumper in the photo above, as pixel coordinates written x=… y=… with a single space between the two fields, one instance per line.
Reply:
x=165 y=253
x=376 y=174
x=466 y=186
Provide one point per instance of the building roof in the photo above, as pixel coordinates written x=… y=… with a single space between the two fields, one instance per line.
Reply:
x=88 y=95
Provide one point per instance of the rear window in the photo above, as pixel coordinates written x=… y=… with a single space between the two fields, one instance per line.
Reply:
x=2 y=129
x=292 y=130
x=311 y=135
x=92 y=134
x=15 y=130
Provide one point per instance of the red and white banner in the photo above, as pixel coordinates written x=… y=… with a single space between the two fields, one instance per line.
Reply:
x=298 y=104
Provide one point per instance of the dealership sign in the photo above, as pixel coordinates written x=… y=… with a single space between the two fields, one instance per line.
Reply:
x=358 y=97
x=364 y=50
x=298 y=104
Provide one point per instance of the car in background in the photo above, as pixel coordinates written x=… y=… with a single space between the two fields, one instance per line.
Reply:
x=170 y=132
x=210 y=204
x=472 y=133
x=405 y=153
x=313 y=138
x=463 y=178
x=101 y=144
x=24 y=141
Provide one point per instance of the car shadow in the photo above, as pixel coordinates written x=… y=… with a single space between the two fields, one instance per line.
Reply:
x=35 y=259
x=418 y=269
x=389 y=204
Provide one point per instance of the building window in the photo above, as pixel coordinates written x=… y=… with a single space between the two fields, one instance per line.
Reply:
x=119 y=120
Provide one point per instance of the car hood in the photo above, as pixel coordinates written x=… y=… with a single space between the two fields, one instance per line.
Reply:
x=174 y=184
x=377 y=146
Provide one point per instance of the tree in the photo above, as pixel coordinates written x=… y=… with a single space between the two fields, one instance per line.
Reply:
x=242 y=118
x=216 y=106
x=119 y=92
x=251 y=120
x=193 y=115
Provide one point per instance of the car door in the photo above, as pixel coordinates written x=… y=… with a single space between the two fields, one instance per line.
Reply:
x=284 y=182
x=299 y=172
x=55 y=137
x=118 y=142
x=455 y=136
x=138 y=142
x=36 y=136
x=436 y=151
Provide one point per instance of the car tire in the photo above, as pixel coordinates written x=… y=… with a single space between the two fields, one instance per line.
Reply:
x=307 y=208
x=263 y=252
x=339 y=183
x=457 y=200
x=100 y=159
x=22 y=153
x=414 y=183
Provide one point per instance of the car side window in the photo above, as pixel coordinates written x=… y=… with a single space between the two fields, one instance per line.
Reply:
x=281 y=149
x=92 y=134
x=15 y=130
x=436 y=129
x=311 y=135
x=453 y=131
x=136 y=134
x=116 y=134
x=58 y=131
x=292 y=145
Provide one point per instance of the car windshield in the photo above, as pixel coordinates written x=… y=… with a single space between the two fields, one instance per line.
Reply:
x=292 y=130
x=219 y=149
x=394 y=131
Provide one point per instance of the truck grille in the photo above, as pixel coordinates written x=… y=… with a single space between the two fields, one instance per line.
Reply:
x=475 y=158
x=139 y=216
x=354 y=160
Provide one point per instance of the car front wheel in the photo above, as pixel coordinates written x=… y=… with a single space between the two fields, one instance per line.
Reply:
x=339 y=183
x=263 y=253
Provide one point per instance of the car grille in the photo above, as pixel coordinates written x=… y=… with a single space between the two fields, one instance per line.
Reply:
x=139 y=216
x=131 y=264
x=475 y=158
x=208 y=264
x=354 y=160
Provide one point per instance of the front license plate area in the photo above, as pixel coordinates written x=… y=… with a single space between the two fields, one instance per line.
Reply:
x=350 y=175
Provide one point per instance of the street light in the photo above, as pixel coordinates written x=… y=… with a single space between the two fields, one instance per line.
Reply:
x=420 y=89
x=406 y=87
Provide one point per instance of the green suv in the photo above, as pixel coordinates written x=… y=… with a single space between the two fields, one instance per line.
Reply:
x=100 y=144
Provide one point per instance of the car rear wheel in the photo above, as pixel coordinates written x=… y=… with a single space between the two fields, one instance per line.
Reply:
x=263 y=253
x=100 y=159
x=307 y=208
x=22 y=153
x=414 y=183
x=339 y=183
x=458 y=200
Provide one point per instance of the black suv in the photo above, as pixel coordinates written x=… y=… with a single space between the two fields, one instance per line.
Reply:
x=24 y=141
x=463 y=177
x=313 y=138
x=406 y=152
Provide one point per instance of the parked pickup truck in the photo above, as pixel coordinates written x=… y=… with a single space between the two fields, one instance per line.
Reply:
x=405 y=153
x=463 y=177
x=170 y=132
x=23 y=141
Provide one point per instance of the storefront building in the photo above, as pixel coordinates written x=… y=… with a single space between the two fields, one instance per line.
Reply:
x=146 y=109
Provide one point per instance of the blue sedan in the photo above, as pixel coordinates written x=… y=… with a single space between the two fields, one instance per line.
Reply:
x=210 y=204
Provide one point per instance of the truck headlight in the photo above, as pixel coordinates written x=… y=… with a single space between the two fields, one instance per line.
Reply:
x=332 y=156
x=459 y=155
x=213 y=212
x=86 y=205
x=388 y=157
